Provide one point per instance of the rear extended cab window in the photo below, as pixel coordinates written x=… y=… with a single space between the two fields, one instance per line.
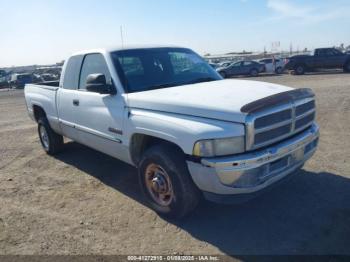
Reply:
x=72 y=72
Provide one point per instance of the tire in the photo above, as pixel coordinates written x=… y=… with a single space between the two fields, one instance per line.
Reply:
x=299 y=69
x=279 y=70
x=347 y=67
x=254 y=72
x=223 y=74
x=51 y=142
x=159 y=165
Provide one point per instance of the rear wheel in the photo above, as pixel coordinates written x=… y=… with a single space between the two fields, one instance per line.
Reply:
x=166 y=182
x=51 y=142
x=299 y=70
x=347 y=67
x=254 y=72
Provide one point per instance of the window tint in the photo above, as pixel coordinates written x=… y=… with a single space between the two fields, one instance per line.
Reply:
x=248 y=63
x=266 y=61
x=93 y=64
x=237 y=64
x=187 y=62
x=132 y=65
x=71 y=73
x=152 y=68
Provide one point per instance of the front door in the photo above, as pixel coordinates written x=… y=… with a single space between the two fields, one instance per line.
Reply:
x=99 y=117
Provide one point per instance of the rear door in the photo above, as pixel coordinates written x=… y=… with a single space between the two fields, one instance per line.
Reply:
x=235 y=69
x=247 y=66
x=67 y=97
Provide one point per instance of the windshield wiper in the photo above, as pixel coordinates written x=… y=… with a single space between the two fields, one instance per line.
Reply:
x=201 y=80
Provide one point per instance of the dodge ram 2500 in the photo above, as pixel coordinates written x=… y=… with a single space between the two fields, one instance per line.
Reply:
x=189 y=132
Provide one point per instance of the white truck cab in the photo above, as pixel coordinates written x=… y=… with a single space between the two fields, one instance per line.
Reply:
x=168 y=113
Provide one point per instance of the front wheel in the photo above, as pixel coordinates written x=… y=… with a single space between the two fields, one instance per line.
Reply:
x=51 y=142
x=166 y=182
x=279 y=70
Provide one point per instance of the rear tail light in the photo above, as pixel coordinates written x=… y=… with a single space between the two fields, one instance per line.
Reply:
x=286 y=61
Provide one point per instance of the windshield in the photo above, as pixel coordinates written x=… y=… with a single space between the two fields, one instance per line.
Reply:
x=154 y=68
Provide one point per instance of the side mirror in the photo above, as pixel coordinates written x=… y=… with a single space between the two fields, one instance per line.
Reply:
x=97 y=83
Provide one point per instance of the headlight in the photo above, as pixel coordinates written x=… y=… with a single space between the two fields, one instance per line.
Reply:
x=219 y=147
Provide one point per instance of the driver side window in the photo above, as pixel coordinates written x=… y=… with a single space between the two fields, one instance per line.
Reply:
x=93 y=64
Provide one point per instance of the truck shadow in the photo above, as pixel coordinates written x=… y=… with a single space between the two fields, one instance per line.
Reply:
x=309 y=214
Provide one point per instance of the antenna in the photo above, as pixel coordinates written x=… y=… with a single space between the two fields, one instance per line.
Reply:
x=121 y=36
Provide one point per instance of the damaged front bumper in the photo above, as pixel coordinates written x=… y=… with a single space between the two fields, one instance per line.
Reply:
x=253 y=171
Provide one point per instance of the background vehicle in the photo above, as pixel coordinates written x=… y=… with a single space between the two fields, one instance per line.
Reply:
x=3 y=82
x=251 y=68
x=19 y=80
x=165 y=111
x=225 y=64
x=214 y=65
x=323 y=58
x=273 y=65
x=3 y=79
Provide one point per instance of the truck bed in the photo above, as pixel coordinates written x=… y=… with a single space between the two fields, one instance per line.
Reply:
x=42 y=95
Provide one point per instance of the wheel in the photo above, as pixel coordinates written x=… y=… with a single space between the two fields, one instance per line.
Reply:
x=50 y=141
x=299 y=70
x=279 y=70
x=347 y=67
x=254 y=72
x=166 y=182
x=223 y=74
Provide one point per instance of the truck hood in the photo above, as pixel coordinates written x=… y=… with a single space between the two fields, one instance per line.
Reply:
x=220 y=100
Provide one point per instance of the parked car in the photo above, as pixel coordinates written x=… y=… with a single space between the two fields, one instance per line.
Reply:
x=323 y=58
x=190 y=133
x=3 y=82
x=251 y=68
x=19 y=80
x=214 y=65
x=224 y=64
x=273 y=65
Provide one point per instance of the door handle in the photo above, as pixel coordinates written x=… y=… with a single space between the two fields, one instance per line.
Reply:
x=75 y=102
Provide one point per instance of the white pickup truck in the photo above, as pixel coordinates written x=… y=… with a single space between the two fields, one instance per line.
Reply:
x=189 y=132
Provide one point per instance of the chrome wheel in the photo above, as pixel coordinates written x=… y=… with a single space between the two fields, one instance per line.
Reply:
x=44 y=137
x=159 y=185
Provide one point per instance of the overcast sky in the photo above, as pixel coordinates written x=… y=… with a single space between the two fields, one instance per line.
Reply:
x=47 y=31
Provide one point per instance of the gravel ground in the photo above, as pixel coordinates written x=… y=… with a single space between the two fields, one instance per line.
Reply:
x=84 y=202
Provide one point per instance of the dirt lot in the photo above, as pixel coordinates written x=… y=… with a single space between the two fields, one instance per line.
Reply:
x=83 y=202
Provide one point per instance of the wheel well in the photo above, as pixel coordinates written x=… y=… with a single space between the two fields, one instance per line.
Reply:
x=38 y=112
x=140 y=143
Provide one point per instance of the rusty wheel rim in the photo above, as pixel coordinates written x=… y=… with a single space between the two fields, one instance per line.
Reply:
x=159 y=185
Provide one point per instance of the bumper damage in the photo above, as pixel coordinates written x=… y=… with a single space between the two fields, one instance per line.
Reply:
x=248 y=173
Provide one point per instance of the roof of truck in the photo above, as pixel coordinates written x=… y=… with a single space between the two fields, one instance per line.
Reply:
x=119 y=48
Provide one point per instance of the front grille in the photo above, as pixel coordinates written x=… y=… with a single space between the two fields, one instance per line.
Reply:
x=271 y=134
x=273 y=125
x=273 y=118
